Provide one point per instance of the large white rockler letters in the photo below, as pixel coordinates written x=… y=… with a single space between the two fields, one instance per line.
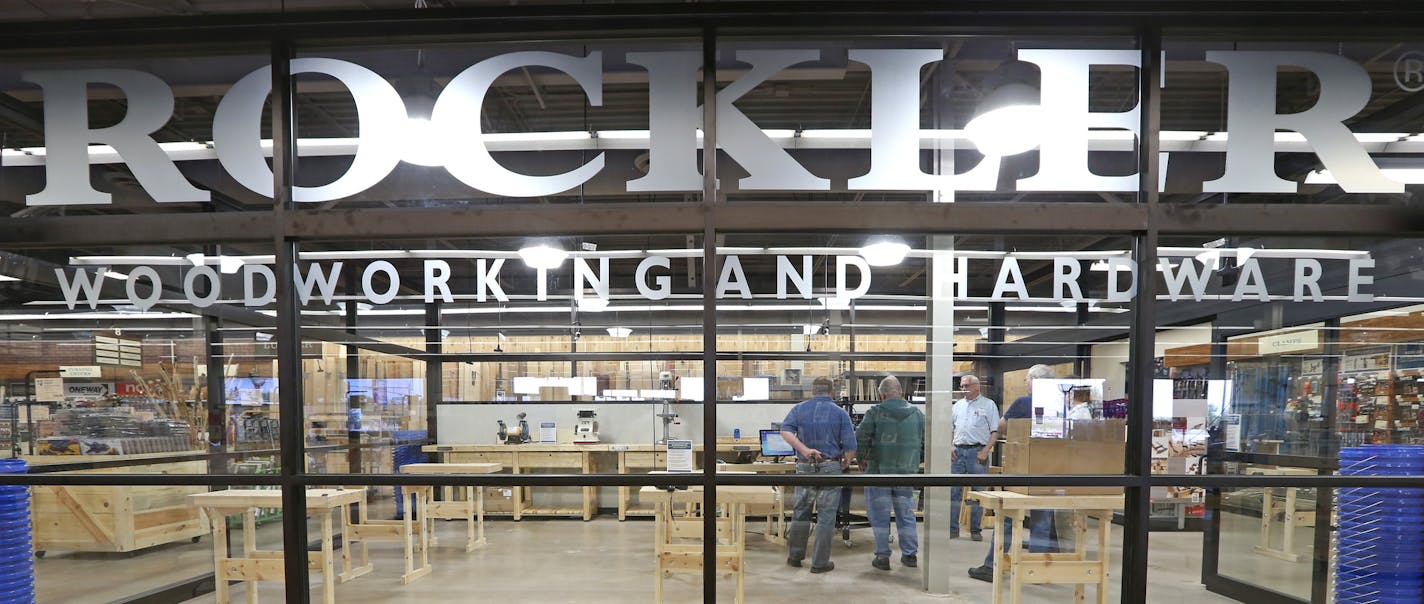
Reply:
x=67 y=136
x=895 y=146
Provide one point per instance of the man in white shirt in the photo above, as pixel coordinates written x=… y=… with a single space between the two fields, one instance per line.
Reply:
x=976 y=429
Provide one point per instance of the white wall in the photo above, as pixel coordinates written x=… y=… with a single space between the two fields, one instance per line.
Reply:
x=1110 y=359
x=619 y=423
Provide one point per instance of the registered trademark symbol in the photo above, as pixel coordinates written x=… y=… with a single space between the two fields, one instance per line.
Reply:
x=1409 y=71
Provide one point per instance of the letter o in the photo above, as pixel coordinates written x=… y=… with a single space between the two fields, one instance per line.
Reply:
x=379 y=109
x=367 y=286
x=144 y=272
x=214 y=286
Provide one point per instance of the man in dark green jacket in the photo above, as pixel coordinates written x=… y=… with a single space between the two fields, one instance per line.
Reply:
x=891 y=440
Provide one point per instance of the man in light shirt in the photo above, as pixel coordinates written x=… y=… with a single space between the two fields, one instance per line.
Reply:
x=976 y=429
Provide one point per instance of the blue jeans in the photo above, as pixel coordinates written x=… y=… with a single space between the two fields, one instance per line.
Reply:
x=826 y=501
x=1040 y=535
x=878 y=502
x=967 y=462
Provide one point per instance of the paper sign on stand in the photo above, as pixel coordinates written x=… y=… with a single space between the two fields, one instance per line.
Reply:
x=548 y=432
x=1232 y=431
x=50 y=390
x=679 y=456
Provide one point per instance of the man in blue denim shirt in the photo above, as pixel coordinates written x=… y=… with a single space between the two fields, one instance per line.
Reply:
x=824 y=440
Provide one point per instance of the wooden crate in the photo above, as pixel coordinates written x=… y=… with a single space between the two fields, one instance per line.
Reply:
x=1090 y=448
x=115 y=518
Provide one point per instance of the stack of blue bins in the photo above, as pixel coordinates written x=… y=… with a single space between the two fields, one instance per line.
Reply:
x=17 y=564
x=1380 y=547
x=403 y=454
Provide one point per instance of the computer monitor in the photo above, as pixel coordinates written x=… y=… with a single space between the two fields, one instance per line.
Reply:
x=773 y=445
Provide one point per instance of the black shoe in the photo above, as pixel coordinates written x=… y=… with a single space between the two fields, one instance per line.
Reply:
x=954 y=534
x=791 y=562
x=882 y=563
x=910 y=561
x=830 y=566
x=982 y=573
x=976 y=535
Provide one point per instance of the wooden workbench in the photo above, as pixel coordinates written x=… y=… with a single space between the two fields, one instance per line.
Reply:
x=520 y=459
x=471 y=508
x=1074 y=568
x=1290 y=517
x=585 y=458
x=255 y=565
x=91 y=518
x=677 y=539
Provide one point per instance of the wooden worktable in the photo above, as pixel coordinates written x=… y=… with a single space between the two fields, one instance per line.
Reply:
x=255 y=565
x=1074 y=568
x=672 y=533
x=471 y=508
x=519 y=459
x=584 y=458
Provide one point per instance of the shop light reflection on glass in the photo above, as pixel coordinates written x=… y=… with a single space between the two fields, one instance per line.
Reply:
x=619 y=332
x=543 y=256
x=1006 y=131
x=884 y=252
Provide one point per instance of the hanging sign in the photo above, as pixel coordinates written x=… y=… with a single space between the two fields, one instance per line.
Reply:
x=80 y=371
x=1296 y=341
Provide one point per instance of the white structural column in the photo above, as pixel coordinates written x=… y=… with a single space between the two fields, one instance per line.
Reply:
x=939 y=437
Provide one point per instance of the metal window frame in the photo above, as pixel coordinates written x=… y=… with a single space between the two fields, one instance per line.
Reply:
x=1144 y=221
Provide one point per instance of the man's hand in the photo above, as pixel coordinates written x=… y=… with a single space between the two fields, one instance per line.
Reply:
x=954 y=454
x=984 y=455
x=814 y=455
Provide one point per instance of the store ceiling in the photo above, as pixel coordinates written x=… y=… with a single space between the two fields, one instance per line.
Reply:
x=45 y=10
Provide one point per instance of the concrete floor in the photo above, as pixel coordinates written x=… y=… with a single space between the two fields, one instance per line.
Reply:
x=559 y=560
x=1241 y=533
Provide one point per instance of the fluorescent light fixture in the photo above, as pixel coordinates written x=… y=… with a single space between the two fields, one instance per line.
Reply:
x=8 y=278
x=884 y=252
x=543 y=256
x=117 y=275
x=810 y=329
x=537 y=137
x=262 y=336
x=229 y=264
x=619 y=332
x=593 y=304
x=625 y=135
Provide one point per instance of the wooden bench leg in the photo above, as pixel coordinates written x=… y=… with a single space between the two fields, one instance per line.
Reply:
x=220 y=590
x=249 y=545
x=328 y=561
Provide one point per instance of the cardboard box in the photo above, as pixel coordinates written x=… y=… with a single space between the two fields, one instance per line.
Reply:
x=1097 y=447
